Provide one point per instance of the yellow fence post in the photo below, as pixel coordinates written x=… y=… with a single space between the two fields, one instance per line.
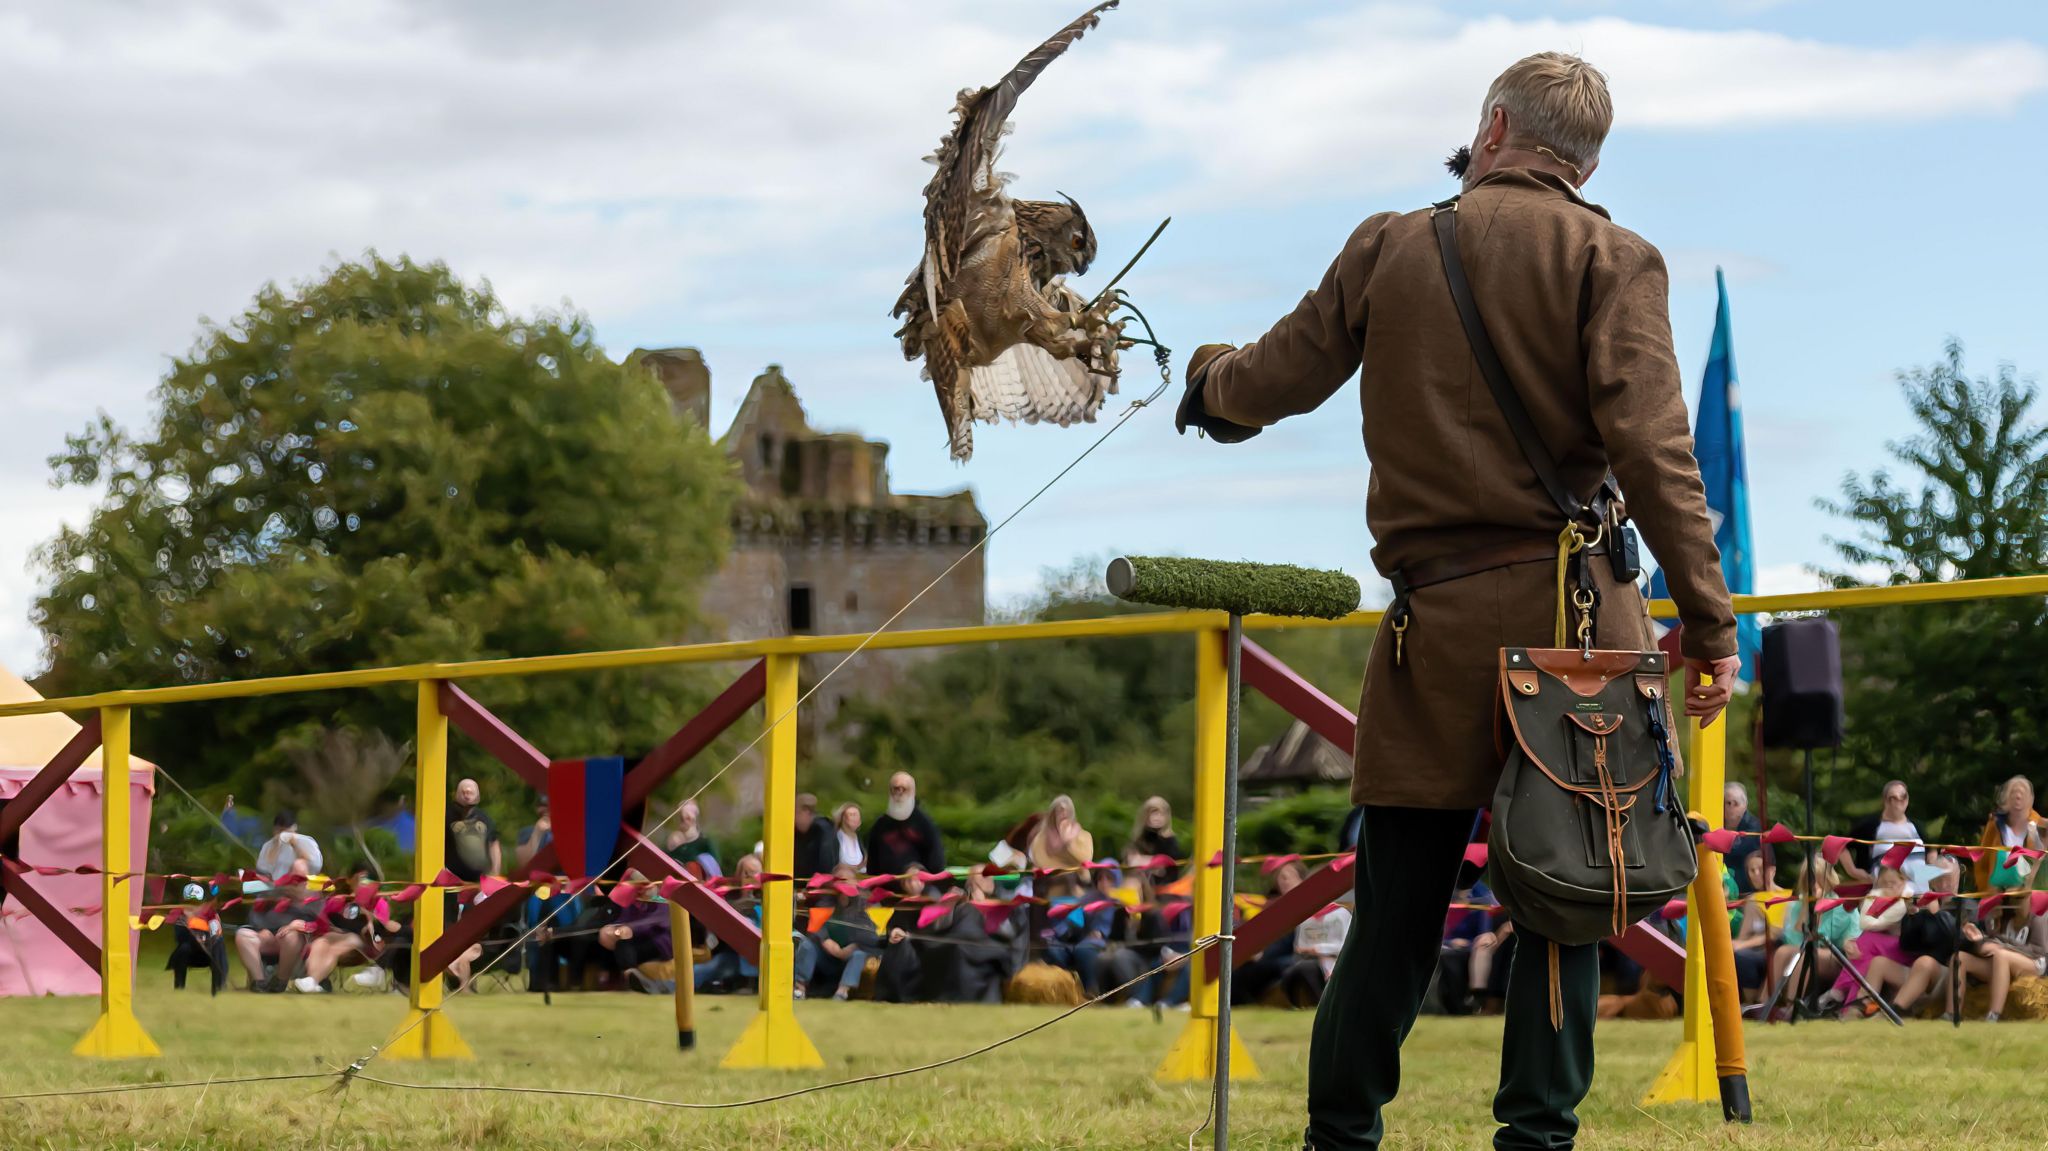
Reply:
x=773 y=1038
x=1690 y=1076
x=427 y=1032
x=116 y=1034
x=1194 y=1053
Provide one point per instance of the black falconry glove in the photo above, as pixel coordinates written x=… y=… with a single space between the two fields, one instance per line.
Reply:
x=1191 y=413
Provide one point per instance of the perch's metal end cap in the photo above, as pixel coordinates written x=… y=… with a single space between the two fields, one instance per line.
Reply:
x=1121 y=576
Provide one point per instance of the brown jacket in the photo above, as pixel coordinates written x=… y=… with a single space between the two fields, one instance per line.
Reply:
x=1577 y=308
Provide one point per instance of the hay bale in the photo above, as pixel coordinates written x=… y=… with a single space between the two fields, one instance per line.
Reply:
x=1042 y=983
x=2028 y=999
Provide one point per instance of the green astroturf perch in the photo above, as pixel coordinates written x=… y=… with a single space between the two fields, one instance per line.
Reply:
x=1241 y=589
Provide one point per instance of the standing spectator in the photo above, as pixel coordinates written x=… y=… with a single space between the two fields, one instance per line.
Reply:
x=1151 y=837
x=846 y=821
x=905 y=838
x=688 y=844
x=1887 y=826
x=1736 y=816
x=1062 y=843
x=817 y=847
x=472 y=851
x=285 y=845
x=2014 y=824
x=534 y=837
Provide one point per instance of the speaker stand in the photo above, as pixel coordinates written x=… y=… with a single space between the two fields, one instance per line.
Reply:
x=1810 y=949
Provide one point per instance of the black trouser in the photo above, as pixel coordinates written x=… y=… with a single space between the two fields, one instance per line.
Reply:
x=1407 y=865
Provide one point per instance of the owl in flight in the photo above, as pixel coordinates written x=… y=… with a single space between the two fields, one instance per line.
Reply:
x=988 y=307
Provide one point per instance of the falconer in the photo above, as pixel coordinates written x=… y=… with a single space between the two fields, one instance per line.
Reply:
x=1577 y=307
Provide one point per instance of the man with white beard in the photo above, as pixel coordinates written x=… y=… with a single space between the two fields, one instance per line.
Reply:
x=904 y=838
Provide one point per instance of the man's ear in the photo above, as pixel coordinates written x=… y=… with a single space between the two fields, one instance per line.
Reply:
x=1496 y=129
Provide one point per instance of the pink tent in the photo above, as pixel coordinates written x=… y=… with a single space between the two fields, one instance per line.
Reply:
x=64 y=832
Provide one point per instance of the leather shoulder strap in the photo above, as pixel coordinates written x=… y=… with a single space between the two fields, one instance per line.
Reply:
x=1445 y=218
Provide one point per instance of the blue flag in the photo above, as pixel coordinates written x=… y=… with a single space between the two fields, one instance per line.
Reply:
x=1724 y=468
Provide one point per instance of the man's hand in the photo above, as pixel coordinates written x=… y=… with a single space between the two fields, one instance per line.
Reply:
x=1704 y=701
x=897 y=935
x=542 y=825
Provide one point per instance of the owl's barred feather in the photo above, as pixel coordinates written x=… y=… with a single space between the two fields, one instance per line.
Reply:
x=1000 y=335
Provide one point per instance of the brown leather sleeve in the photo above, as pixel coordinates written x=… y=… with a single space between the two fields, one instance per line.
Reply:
x=1639 y=408
x=1309 y=354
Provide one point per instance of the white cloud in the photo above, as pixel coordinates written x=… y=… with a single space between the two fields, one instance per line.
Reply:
x=743 y=177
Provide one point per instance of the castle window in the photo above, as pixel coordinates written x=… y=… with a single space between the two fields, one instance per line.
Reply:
x=852 y=602
x=767 y=449
x=799 y=609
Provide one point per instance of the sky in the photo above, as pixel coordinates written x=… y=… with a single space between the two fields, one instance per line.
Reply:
x=745 y=179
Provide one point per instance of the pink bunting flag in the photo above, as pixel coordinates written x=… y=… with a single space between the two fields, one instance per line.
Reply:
x=1829 y=904
x=1852 y=890
x=2039 y=903
x=1896 y=857
x=1779 y=833
x=1832 y=847
x=1276 y=862
x=46 y=869
x=1161 y=863
x=1216 y=860
x=1718 y=841
x=1882 y=904
x=2027 y=852
x=1930 y=899
x=1475 y=854
x=366 y=895
x=818 y=880
x=1343 y=862
x=874 y=881
x=931 y=876
x=539 y=877
x=624 y=894
x=1098 y=905
x=929 y=916
x=1989 y=904
x=1970 y=853
x=847 y=888
x=447 y=878
x=669 y=887
x=249 y=876
x=1778 y=899
x=1674 y=909
x=89 y=869
x=490 y=885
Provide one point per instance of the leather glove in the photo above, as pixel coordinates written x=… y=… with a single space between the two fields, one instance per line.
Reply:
x=1191 y=413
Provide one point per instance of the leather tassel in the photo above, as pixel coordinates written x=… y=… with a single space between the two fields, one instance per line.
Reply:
x=1556 y=991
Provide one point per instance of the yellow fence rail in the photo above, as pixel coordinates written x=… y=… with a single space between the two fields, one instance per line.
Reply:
x=774 y=1038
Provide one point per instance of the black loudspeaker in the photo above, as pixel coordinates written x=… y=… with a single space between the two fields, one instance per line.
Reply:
x=1802 y=684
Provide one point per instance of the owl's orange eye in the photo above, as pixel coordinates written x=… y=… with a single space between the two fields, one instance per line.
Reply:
x=1076 y=242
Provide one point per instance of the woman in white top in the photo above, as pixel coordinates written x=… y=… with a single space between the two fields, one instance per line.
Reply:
x=846 y=820
x=1316 y=943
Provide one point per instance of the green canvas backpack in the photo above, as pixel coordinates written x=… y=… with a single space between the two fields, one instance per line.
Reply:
x=1589 y=834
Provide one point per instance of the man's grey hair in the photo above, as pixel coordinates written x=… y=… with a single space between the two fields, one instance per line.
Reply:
x=1557 y=100
x=1736 y=791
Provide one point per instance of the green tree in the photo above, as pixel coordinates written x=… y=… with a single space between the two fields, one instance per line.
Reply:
x=384 y=466
x=1949 y=698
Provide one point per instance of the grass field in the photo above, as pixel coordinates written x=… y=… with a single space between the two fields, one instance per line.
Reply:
x=1084 y=1084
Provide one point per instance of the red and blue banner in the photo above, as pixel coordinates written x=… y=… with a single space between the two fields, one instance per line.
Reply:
x=586 y=801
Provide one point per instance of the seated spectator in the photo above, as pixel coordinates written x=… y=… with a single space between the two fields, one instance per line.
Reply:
x=688 y=845
x=1839 y=924
x=726 y=969
x=839 y=950
x=1317 y=943
x=270 y=933
x=546 y=920
x=197 y=939
x=904 y=838
x=286 y=846
x=817 y=845
x=1465 y=961
x=1077 y=936
x=1748 y=929
x=1736 y=816
x=344 y=927
x=846 y=822
x=1252 y=980
x=1061 y=843
x=1991 y=960
x=979 y=949
x=534 y=837
x=637 y=937
x=898 y=978
x=1151 y=837
x=1877 y=954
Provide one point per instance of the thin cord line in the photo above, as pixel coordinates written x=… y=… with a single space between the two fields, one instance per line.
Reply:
x=547 y=917
x=127 y=1087
x=815 y=1088
x=217 y=821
